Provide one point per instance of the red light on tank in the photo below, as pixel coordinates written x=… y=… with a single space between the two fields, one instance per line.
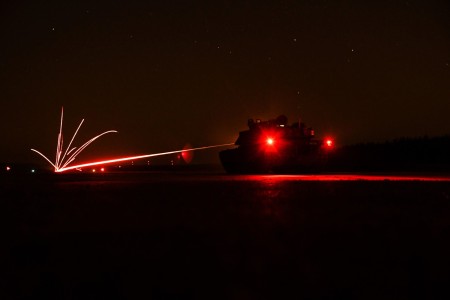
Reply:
x=270 y=141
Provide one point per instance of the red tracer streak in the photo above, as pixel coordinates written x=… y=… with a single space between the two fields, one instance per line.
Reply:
x=115 y=160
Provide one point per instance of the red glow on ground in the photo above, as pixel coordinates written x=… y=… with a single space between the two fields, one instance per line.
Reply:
x=347 y=177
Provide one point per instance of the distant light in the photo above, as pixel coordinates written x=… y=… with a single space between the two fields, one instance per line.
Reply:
x=269 y=141
x=32 y=170
x=93 y=170
x=329 y=142
x=102 y=169
x=8 y=168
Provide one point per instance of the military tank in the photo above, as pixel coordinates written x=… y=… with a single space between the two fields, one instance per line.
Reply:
x=273 y=146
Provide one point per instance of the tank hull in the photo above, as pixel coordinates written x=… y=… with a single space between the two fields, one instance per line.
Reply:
x=273 y=146
x=239 y=161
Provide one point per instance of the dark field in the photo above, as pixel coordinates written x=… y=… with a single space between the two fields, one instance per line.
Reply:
x=196 y=236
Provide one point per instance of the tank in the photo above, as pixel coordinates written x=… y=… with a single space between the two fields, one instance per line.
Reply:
x=275 y=147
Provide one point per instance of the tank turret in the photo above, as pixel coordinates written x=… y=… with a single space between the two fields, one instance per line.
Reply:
x=273 y=146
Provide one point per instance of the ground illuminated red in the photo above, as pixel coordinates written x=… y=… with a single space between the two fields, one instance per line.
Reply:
x=348 y=177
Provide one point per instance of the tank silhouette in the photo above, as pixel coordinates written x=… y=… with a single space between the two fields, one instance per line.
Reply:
x=273 y=146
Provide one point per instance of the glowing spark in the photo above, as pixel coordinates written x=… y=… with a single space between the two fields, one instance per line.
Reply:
x=60 y=162
x=115 y=160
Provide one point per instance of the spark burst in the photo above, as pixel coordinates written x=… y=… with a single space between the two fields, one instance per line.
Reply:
x=62 y=161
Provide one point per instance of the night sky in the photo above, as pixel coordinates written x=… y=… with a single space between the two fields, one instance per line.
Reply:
x=167 y=73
